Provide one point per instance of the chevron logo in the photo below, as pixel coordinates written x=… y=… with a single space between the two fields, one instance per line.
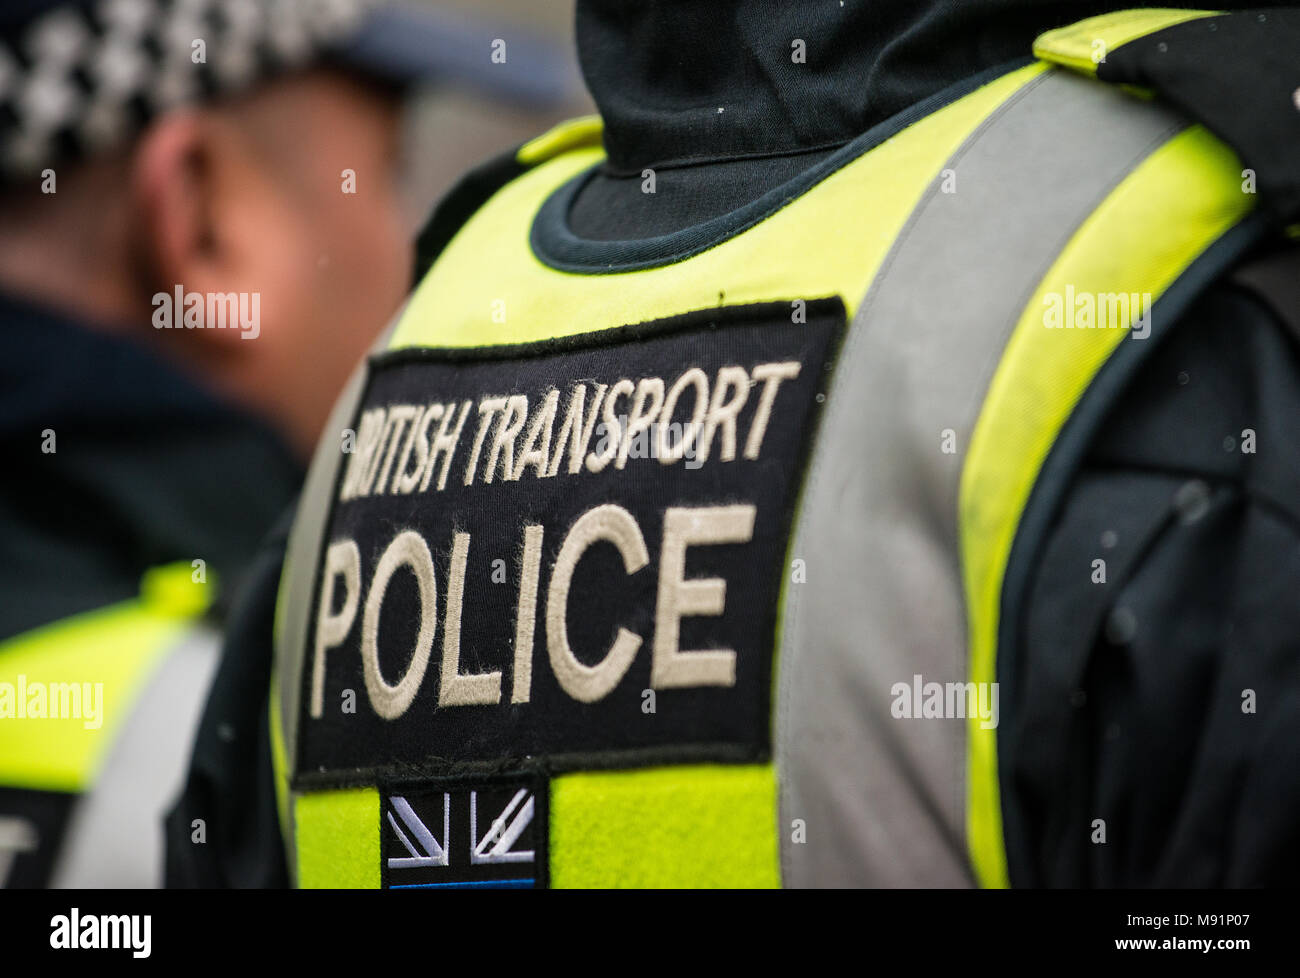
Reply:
x=489 y=831
x=434 y=853
x=506 y=828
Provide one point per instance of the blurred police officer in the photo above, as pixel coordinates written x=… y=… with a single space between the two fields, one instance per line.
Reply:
x=203 y=223
x=858 y=458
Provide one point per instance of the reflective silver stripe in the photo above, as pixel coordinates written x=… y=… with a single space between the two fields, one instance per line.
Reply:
x=884 y=799
x=296 y=602
x=17 y=836
x=115 y=835
x=306 y=540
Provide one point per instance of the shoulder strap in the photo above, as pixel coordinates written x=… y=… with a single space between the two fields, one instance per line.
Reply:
x=1178 y=222
x=1237 y=74
x=120 y=645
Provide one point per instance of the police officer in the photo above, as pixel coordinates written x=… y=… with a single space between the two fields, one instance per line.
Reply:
x=858 y=457
x=203 y=224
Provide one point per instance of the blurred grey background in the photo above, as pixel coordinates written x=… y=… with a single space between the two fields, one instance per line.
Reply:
x=459 y=125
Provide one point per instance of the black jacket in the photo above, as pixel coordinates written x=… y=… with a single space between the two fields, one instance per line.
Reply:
x=115 y=463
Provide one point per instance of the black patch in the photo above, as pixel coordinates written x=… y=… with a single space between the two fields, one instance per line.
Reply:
x=35 y=824
x=484 y=833
x=696 y=722
x=1237 y=74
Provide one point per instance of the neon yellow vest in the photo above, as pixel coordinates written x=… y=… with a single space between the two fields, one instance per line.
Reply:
x=68 y=688
x=1172 y=214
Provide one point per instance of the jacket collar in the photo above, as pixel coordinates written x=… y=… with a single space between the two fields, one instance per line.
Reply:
x=147 y=467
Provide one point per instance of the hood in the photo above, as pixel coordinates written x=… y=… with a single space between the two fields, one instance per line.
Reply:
x=685 y=81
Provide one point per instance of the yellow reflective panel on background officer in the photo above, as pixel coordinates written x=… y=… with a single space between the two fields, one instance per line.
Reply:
x=841 y=463
x=203 y=225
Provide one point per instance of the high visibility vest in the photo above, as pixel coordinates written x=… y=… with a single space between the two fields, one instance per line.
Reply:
x=638 y=556
x=95 y=712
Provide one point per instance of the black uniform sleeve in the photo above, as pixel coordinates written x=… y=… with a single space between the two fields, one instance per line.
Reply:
x=224 y=830
x=1154 y=736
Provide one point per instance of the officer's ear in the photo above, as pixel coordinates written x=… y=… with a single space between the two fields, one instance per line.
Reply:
x=207 y=216
x=171 y=168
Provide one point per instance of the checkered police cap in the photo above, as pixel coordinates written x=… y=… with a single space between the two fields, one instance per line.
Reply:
x=77 y=76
